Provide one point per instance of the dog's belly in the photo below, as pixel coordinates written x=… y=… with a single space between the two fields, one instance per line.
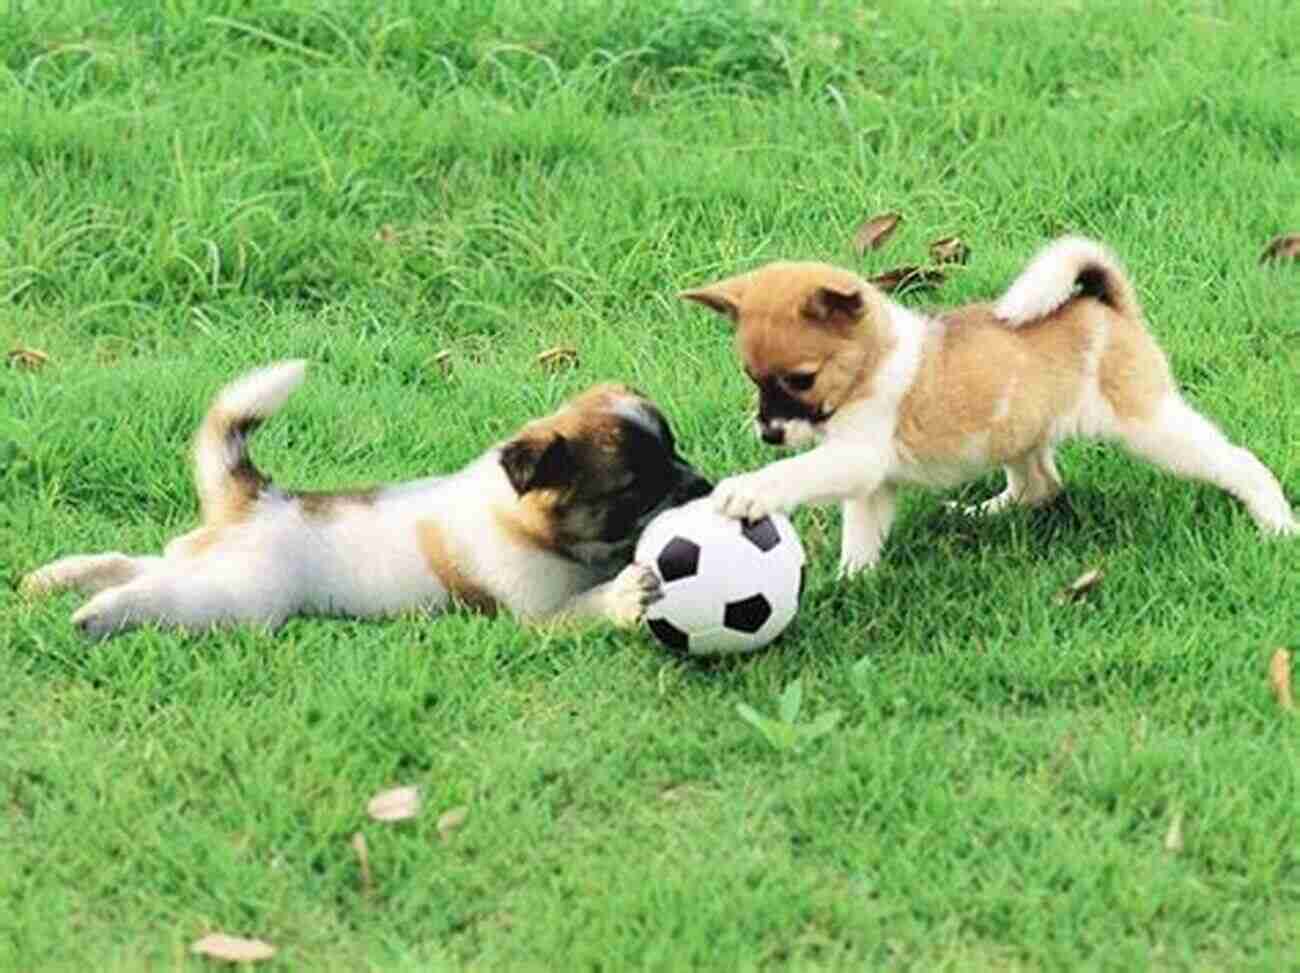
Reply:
x=939 y=474
x=974 y=459
x=366 y=564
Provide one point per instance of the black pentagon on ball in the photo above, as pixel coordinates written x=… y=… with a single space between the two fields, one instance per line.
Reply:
x=679 y=558
x=669 y=634
x=762 y=533
x=748 y=614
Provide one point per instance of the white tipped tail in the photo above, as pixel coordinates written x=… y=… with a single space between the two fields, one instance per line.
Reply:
x=1063 y=269
x=226 y=478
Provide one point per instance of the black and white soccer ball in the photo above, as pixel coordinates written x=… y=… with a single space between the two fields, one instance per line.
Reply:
x=729 y=585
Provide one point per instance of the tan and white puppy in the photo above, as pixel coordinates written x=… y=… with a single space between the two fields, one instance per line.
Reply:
x=896 y=397
x=542 y=525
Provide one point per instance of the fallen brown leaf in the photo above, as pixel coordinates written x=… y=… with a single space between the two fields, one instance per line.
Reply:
x=909 y=277
x=1283 y=248
x=449 y=821
x=1077 y=589
x=398 y=804
x=387 y=234
x=1279 y=674
x=29 y=358
x=363 y=859
x=949 y=250
x=872 y=233
x=558 y=357
x=1174 y=836
x=232 y=948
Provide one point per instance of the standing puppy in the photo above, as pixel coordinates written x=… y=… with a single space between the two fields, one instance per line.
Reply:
x=896 y=397
x=542 y=525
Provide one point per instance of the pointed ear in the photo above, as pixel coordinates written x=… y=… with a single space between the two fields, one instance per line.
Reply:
x=722 y=296
x=535 y=461
x=828 y=304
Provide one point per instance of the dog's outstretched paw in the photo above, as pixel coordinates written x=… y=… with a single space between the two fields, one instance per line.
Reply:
x=744 y=497
x=635 y=589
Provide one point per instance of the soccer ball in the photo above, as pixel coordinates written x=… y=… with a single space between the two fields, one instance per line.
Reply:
x=729 y=585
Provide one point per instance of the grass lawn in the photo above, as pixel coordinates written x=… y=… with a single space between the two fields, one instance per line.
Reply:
x=421 y=197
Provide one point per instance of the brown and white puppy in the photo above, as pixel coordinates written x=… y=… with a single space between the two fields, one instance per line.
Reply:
x=542 y=525
x=895 y=397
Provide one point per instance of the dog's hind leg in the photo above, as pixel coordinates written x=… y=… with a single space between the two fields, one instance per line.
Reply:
x=195 y=598
x=1181 y=440
x=86 y=573
x=1032 y=480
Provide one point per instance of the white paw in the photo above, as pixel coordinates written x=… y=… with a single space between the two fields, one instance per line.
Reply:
x=635 y=589
x=1281 y=527
x=40 y=582
x=854 y=564
x=745 y=497
x=986 y=508
x=102 y=616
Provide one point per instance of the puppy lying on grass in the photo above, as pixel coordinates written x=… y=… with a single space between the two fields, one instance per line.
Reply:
x=896 y=398
x=542 y=525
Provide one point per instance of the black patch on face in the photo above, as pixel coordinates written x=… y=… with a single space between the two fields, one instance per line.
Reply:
x=650 y=461
x=774 y=402
x=658 y=476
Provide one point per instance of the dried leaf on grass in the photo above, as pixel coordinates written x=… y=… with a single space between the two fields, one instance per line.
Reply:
x=232 y=948
x=1080 y=587
x=387 y=234
x=909 y=277
x=560 y=356
x=450 y=821
x=949 y=250
x=1279 y=675
x=872 y=233
x=398 y=804
x=29 y=358
x=363 y=859
x=1283 y=248
x=1174 y=836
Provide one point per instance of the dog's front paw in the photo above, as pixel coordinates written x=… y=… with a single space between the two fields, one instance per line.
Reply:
x=635 y=589
x=745 y=497
x=855 y=563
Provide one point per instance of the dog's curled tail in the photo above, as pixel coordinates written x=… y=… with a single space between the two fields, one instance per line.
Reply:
x=227 y=480
x=1068 y=267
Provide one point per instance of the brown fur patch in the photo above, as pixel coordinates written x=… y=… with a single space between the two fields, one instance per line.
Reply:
x=556 y=515
x=983 y=379
x=325 y=504
x=443 y=562
x=795 y=317
x=243 y=483
x=1134 y=372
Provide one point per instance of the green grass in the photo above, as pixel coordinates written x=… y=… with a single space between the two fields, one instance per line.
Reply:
x=190 y=189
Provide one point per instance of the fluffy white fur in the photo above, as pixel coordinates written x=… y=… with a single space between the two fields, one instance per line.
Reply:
x=1052 y=277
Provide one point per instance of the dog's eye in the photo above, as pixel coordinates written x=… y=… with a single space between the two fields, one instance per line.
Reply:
x=800 y=381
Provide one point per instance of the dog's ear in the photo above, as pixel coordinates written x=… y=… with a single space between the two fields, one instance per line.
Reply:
x=722 y=296
x=838 y=303
x=534 y=461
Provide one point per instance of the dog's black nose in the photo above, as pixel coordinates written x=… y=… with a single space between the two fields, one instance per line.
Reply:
x=773 y=435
